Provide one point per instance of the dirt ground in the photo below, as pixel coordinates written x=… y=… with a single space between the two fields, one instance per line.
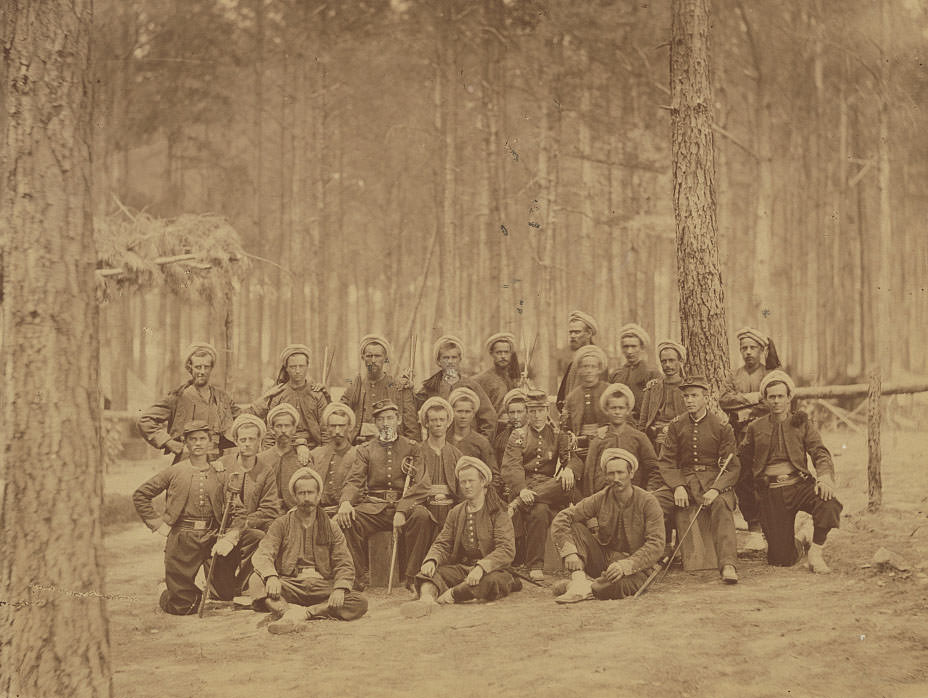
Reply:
x=860 y=631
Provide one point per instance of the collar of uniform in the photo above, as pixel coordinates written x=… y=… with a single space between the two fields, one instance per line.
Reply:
x=697 y=421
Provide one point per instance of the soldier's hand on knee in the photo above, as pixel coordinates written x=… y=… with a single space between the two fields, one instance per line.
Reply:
x=474 y=576
x=573 y=563
x=615 y=571
x=302 y=454
x=566 y=476
x=680 y=497
x=709 y=496
x=272 y=586
x=337 y=598
x=345 y=515
x=825 y=488
x=399 y=519
x=527 y=496
x=222 y=547
x=428 y=568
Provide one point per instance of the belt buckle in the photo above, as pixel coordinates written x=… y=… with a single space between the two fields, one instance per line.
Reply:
x=199 y=525
x=392 y=496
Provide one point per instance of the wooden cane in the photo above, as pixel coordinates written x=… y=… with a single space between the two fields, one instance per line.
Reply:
x=650 y=580
x=235 y=486
x=409 y=468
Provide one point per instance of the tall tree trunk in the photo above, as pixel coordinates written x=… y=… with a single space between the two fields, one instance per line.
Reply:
x=53 y=625
x=702 y=298
x=883 y=304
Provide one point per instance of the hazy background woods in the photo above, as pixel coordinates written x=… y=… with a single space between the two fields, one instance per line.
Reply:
x=470 y=167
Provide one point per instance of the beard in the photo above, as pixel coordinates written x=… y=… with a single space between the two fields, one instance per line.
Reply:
x=388 y=434
x=283 y=441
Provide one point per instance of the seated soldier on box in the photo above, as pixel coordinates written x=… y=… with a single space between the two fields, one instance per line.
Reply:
x=662 y=399
x=193 y=510
x=333 y=459
x=439 y=458
x=539 y=467
x=283 y=458
x=464 y=435
x=776 y=448
x=468 y=560
x=617 y=402
x=260 y=503
x=582 y=415
x=616 y=561
x=304 y=560
x=373 y=498
x=696 y=446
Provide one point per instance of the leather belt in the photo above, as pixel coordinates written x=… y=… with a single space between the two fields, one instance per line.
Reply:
x=196 y=524
x=388 y=495
x=774 y=481
x=702 y=468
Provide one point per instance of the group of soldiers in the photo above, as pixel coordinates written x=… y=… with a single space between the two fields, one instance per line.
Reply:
x=280 y=498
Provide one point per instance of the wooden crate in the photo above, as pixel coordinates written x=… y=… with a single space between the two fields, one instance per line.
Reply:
x=698 y=549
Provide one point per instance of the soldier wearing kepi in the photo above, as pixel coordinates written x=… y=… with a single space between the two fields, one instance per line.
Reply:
x=193 y=510
x=260 y=503
x=533 y=470
x=775 y=450
x=439 y=458
x=162 y=423
x=636 y=373
x=697 y=444
x=613 y=563
x=333 y=460
x=294 y=388
x=581 y=328
x=468 y=560
x=448 y=352
x=516 y=418
x=378 y=384
x=505 y=373
x=373 y=498
x=662 y=399
x=742 y=402
x=304 y=560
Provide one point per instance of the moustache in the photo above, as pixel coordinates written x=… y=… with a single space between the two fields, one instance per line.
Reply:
x=283 y=440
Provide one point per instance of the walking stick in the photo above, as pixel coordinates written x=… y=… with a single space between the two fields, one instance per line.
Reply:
x=234 y=487
x=409 y=467
x=650 y=580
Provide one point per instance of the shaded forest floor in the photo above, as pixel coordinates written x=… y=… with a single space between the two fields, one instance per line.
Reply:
x=860 y=631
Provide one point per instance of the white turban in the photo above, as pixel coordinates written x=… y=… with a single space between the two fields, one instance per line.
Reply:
x=633 y=330
x=244 y=419
x=447 y=339
x=200 y=348
x=375 y=339
x=338 y=408
x=667 y=344
x=591 y=350
x=292 y=349
x=464 y=394
x=501 y=337
x=301 y=473
x=753 y=335
x=472 y=462
x=610 y=454
x=283 y=408
x=433 y=402
x=617 y=389
x=585 y=318
x=777 y=377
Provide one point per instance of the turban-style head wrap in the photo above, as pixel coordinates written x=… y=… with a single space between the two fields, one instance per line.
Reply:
x=591 y=350
x=435 y=402
x=472 y=462
x=301 y=473
x=585 y=318
x=447 y=339
x=338 y=408
x=292 y=349
x=199 y=348
x=667 y=344
x=244 y=419
x=617 y=389
x=501 y=337
x=376 y=339
x=777 y=377
x=610 y=454
x=753 y=335
x=633 y=330
x=516 y=394
x=464 y=394
x=283 y=408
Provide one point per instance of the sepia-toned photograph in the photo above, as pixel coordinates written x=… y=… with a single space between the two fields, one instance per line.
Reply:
x=490 y=348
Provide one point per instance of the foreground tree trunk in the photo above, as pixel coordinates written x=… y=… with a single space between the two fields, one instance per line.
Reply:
x=53 y=629
x=702 y=299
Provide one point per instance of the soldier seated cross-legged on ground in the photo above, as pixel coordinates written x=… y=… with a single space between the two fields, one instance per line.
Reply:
x=469 y=558
x=615 y=562
x=776 y=449
x=304 y=560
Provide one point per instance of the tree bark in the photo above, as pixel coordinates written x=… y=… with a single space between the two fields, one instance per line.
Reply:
x=53 y=627
x=702 y=297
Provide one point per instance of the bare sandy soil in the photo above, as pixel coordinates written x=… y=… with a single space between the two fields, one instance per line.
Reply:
x=860 y=631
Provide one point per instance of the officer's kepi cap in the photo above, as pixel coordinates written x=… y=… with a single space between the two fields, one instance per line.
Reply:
x=193 y=426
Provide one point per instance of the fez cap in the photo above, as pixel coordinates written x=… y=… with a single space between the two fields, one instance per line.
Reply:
x=667 y=344
x=195 y=425
x=694 y=382
x=585 y=318
x=384 y=406
x=777 y=377
x=617 y=389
